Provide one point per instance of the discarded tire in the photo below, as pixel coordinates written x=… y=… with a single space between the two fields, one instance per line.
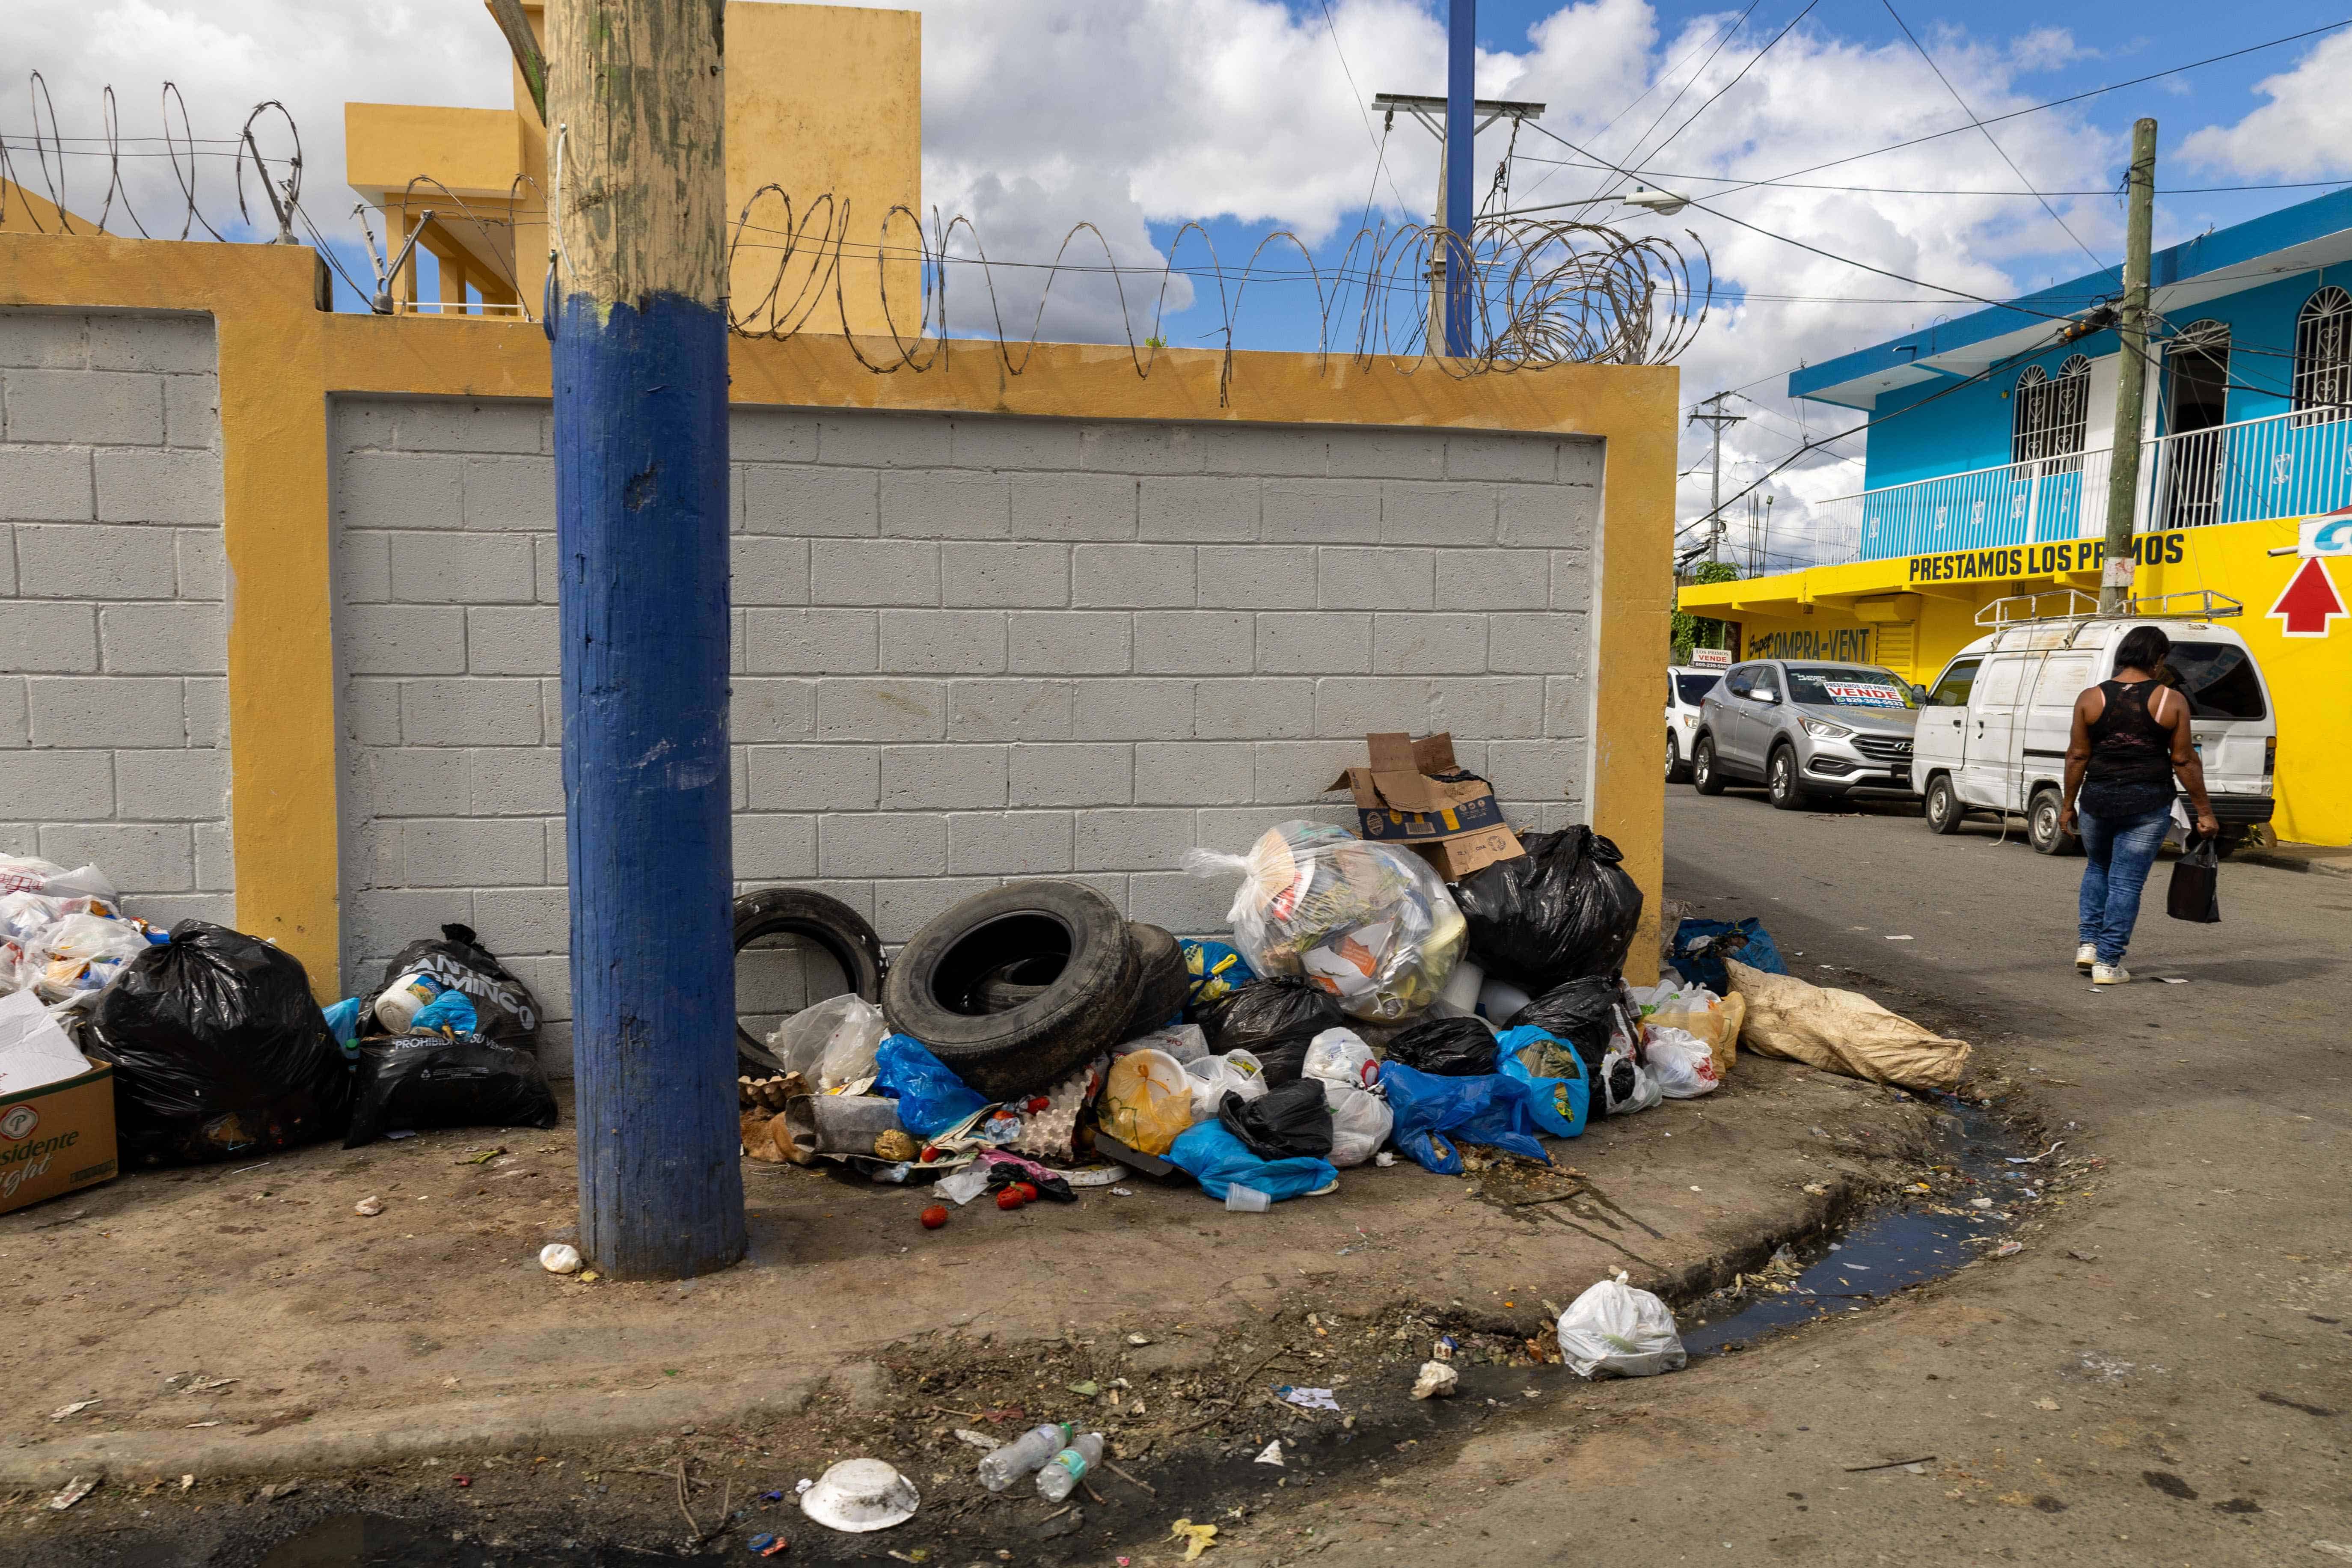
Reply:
x=841 y=931
x=932 y=992
x=1160 y=984
x=1161 y=987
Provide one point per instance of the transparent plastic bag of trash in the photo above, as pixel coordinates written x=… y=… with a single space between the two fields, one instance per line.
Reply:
x=1340 y=1055
x=1614 y=1331
x=1361 y=1121
x=1680 y=1063
x=1370 y=924
x=1147 y=1102
x=74 y=959
x=832 y=1043
x=1214 y=1077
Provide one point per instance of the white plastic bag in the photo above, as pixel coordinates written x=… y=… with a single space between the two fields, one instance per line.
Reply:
x=79 y=954
x=1360 y=1122
x=1680 y=1063
x=1626 y=1086
x=830 y=1043
x=1214 y=1077
x=1615 y=1330
x=1371 y=924
x=1340 y=1055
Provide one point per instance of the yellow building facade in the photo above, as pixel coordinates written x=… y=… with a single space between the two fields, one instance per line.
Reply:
x=824 y=135
x=1913 y=613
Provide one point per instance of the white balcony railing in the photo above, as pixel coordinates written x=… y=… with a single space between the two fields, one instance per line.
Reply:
x=2287 y=465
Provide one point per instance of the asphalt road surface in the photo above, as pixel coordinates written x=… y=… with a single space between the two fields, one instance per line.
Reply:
x=2164 y=1375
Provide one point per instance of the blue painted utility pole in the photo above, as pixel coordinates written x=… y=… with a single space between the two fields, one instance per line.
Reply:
x=637 y=104
x=1461 y=136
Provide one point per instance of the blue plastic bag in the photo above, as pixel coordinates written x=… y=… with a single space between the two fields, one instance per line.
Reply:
x=1218 y=1160
x=1214 y=972
x=1434 y=1113
x=1557 y=1104
x=932 y=1099
x=343 y=1023
x=1705 y=967
x=452 y=1010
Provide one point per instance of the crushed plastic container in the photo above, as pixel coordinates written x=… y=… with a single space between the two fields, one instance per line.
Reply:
x=1001 y=1467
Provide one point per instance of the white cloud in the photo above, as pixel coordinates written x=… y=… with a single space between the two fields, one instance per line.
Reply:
x=2304 y=132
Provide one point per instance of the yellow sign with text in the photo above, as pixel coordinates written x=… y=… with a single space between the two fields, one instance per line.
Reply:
x=2006 y=560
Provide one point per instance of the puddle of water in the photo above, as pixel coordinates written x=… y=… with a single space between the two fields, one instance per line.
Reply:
x=1908 y=1244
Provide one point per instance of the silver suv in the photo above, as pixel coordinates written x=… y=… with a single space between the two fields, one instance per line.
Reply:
x=1805 y=730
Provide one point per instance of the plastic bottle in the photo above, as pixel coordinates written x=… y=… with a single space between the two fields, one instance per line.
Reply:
x=404 y=999
x=1061 y=1473
x=1000 y=1467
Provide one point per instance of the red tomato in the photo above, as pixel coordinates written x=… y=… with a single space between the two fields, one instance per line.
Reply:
x=1028 y=1193
x=935 y=1217
x=1010 y=1198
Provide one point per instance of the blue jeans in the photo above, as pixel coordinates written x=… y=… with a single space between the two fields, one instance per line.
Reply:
x=2120 y=851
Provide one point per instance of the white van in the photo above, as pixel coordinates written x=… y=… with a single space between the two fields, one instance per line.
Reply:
x=1993 y=728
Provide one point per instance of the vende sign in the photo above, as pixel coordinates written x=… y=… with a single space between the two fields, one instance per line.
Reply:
x=1710 y=659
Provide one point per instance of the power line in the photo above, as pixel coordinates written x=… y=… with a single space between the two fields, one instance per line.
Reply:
x=1380 y=143
x=1735 y=80
x=1728 y=34
x=1979 y=124
x=1657 y=82
x=1744 y=183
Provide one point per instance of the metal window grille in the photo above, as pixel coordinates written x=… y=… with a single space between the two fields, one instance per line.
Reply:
x=2053 y=415
x=2323 y=358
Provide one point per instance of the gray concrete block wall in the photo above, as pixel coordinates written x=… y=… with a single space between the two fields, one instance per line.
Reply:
x=113 y=593
x=966 y=648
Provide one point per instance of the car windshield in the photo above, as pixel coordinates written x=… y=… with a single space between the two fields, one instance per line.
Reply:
x=1846 y=685
x=2218 y=679
x=1695 y=688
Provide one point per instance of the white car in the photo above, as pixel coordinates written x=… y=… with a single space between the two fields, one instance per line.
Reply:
x=1685 y=690
x=1993 y=728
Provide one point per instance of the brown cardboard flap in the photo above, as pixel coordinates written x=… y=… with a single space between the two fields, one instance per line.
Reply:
x=1397 y=779
x=1454 y=858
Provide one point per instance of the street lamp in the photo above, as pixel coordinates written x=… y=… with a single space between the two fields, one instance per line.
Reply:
x=1664 y=204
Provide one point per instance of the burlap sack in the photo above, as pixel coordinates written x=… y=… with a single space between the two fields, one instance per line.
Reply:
x=1841 y=1032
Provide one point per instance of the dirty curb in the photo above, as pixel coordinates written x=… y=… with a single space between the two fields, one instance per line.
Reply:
x=548 y=1420
x=2327 y=866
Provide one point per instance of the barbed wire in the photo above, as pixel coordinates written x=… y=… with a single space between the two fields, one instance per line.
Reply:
x=1543 y=294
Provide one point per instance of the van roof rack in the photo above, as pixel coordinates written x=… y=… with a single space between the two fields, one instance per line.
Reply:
x=2073 y=604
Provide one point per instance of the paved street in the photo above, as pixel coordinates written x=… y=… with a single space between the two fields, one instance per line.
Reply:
x=2161 y=1376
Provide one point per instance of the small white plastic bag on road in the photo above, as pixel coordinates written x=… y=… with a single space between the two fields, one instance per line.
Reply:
x=1615 y=1330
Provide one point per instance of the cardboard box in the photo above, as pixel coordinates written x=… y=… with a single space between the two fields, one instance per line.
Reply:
x=56 y=1139
x=1416 y=795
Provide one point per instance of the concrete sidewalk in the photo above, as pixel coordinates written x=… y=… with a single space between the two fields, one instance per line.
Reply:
x=246 y=1319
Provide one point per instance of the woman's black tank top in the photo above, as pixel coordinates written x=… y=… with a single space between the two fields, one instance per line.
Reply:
x=2127 y=745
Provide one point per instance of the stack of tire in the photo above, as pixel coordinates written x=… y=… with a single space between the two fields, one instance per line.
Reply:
x=1014 y=989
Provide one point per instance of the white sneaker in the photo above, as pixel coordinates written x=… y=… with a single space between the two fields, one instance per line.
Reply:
x=2109 y=975
x=2086 y=954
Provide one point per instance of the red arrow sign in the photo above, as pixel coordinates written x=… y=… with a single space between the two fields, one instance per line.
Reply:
x=2310 y=605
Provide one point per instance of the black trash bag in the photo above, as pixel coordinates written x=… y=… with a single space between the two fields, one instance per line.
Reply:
x=1585 y=1014
x=1447 y=1047
x=504 y=1009
x=416 y=1082
x=1294 y=1120
x=1273 y=1019
x=218 y=1050
x=1565 y=909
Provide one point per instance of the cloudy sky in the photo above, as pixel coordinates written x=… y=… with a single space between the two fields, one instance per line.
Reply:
x=1247 y=116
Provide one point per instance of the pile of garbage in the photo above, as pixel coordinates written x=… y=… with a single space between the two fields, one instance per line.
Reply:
x=218 y=1047
x=1029 y=1042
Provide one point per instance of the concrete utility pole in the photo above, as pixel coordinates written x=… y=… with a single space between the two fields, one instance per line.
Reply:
x=637 y=105
x=1461 y=139
x=1431 y=113
x=2131 y=375
x=1714 y=499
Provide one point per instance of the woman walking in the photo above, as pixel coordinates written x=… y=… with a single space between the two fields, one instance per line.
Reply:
x=2131 y=738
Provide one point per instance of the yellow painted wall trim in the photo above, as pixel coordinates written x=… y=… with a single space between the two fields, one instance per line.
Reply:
x=281 y=362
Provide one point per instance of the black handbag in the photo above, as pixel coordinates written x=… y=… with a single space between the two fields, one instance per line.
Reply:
x=2196 y=890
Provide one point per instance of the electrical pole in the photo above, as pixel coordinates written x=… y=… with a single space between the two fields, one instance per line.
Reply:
x=2131 y=375
x=1461 y=137
x=1434 y=115
x=1718 y=419
x=636 y=108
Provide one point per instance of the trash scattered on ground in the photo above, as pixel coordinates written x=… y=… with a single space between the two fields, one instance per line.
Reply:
x=1435 y=1380
x=860 y=1495
x=560 y=1258
x=76 y=1409
x=1199 y=1538
x=1061 y=1475
x=981 y=1440
x=2009 y=1249
x=76 y=1489
x=1615 y=1330
x=1308 y=1398
x=1006 y=1463
x=935 y=1217
x=1272 y=1453
x=766 y=1545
